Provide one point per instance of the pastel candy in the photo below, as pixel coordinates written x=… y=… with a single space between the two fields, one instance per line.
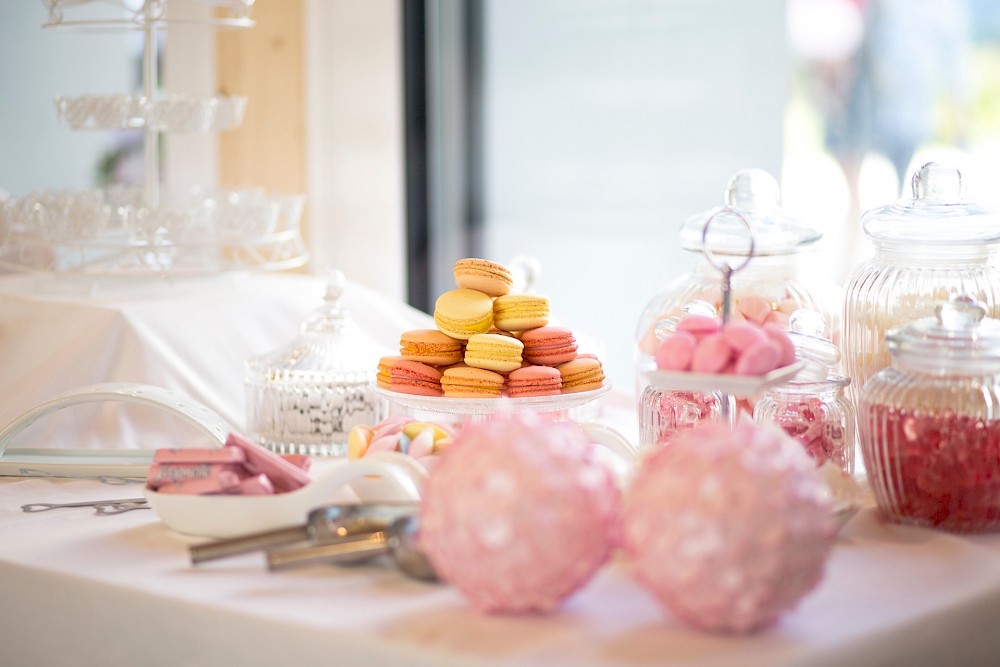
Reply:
x=422 y=444
x=784 y=343
x=676 y=352
x=741 y=335
x=699 y=325
x=758 y=359
x=754 y=308
x=413 y=429
x=357 y=441
x=711 y=355
x=386 y=443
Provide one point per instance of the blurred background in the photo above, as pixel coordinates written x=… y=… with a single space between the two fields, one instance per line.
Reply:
x=578 y=132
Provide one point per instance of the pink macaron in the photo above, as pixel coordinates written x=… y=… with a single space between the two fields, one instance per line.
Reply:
x=549 y=346
x=699 y=325
x=711 y=355
x=414 y=377
x=534 y=381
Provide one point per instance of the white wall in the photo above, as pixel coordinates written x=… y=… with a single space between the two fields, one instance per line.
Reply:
x=354 y=121
x=609 y=122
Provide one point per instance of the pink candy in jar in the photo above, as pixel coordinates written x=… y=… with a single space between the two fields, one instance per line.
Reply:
x=702 y=344
x=519 y=513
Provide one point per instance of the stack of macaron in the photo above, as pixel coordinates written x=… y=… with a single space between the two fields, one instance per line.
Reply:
x=702 y=344
x=489 y=343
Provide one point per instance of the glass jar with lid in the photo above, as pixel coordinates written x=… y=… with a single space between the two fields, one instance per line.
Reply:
x=929 y=424
x=768 y=289
x=665 y=412
x=812 y=407
x=927 y=248
x=305 y=397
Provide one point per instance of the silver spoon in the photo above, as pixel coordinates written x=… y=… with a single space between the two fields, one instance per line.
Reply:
x=399 y=541
x=100 y=506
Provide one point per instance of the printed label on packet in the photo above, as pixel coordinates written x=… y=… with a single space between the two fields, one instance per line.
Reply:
x=223 y=482
x=172 y=473
x=194 y=455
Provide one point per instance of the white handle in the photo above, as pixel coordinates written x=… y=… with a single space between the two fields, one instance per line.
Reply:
x=158 y=397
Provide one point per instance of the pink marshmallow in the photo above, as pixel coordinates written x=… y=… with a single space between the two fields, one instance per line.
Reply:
x=741 y=335
x=675 y=353
x=758 y=359
x=699 y=325
x=711 y=355
x=784 y=343
x=754 y=308
x=777 y=319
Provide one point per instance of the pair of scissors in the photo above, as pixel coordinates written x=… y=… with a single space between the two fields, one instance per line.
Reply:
x=100 y=506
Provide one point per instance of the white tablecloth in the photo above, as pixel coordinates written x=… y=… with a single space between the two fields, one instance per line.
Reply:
x=83 y=589
x=192 y=337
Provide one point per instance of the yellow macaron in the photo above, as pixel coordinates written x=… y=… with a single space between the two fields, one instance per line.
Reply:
x=494 y=352
x=463 y=313
x=520 y=312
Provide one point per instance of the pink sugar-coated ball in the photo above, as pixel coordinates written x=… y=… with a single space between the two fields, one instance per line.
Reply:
x=784 y=343
x=675 y=353
x=519 y=513
x=758 y=359
x=711 y=355
x=741 y=335
x=699 y=325
x=728 y=528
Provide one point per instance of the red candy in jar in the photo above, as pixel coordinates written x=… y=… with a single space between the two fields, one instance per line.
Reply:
x=930 y=432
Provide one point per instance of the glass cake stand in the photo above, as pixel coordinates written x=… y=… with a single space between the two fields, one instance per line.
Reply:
x=484 y=407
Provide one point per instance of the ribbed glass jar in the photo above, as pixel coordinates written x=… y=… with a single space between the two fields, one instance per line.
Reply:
x=666 y=412
x=929 y=424
x=926 y=249
x=817 y=414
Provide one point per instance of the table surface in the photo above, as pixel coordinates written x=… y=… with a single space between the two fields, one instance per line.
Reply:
x=84 y=589
x=80 y=588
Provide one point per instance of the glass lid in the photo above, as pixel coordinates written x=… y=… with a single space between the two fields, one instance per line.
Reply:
x=959 y=331
x=938 y=211
x=818 y=354
x=752 y=196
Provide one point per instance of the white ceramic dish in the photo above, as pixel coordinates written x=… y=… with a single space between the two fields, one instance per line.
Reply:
x=740 y=385
x=490 y=406
x=382 y=477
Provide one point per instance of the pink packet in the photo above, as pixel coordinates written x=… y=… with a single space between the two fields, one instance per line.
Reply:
x=283 y=475
x=222 y=482
x=195 y=455
x=173 y=473
x=303 y=461
x=258 y=485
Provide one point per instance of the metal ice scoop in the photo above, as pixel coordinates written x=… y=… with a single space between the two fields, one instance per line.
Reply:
x=399 y=541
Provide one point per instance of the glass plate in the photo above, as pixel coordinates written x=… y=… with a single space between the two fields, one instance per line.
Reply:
x=741 y=385
x=491 y=406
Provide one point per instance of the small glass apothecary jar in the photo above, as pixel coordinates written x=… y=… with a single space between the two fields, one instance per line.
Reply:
x=929 y=424
x=665 y=412
x=305 y=397
x=813 y=407
x=769 y=288
x=927 y=248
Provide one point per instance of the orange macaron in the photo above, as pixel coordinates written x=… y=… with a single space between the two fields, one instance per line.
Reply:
x=581 y=374
x=413 y=377
x=430 y=346
x=468 y=382
x=483 y=275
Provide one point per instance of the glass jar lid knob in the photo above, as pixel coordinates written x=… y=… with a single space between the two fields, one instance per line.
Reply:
x=960 y=311
x=329 y=317
x=753 y=189
x=935 y=182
